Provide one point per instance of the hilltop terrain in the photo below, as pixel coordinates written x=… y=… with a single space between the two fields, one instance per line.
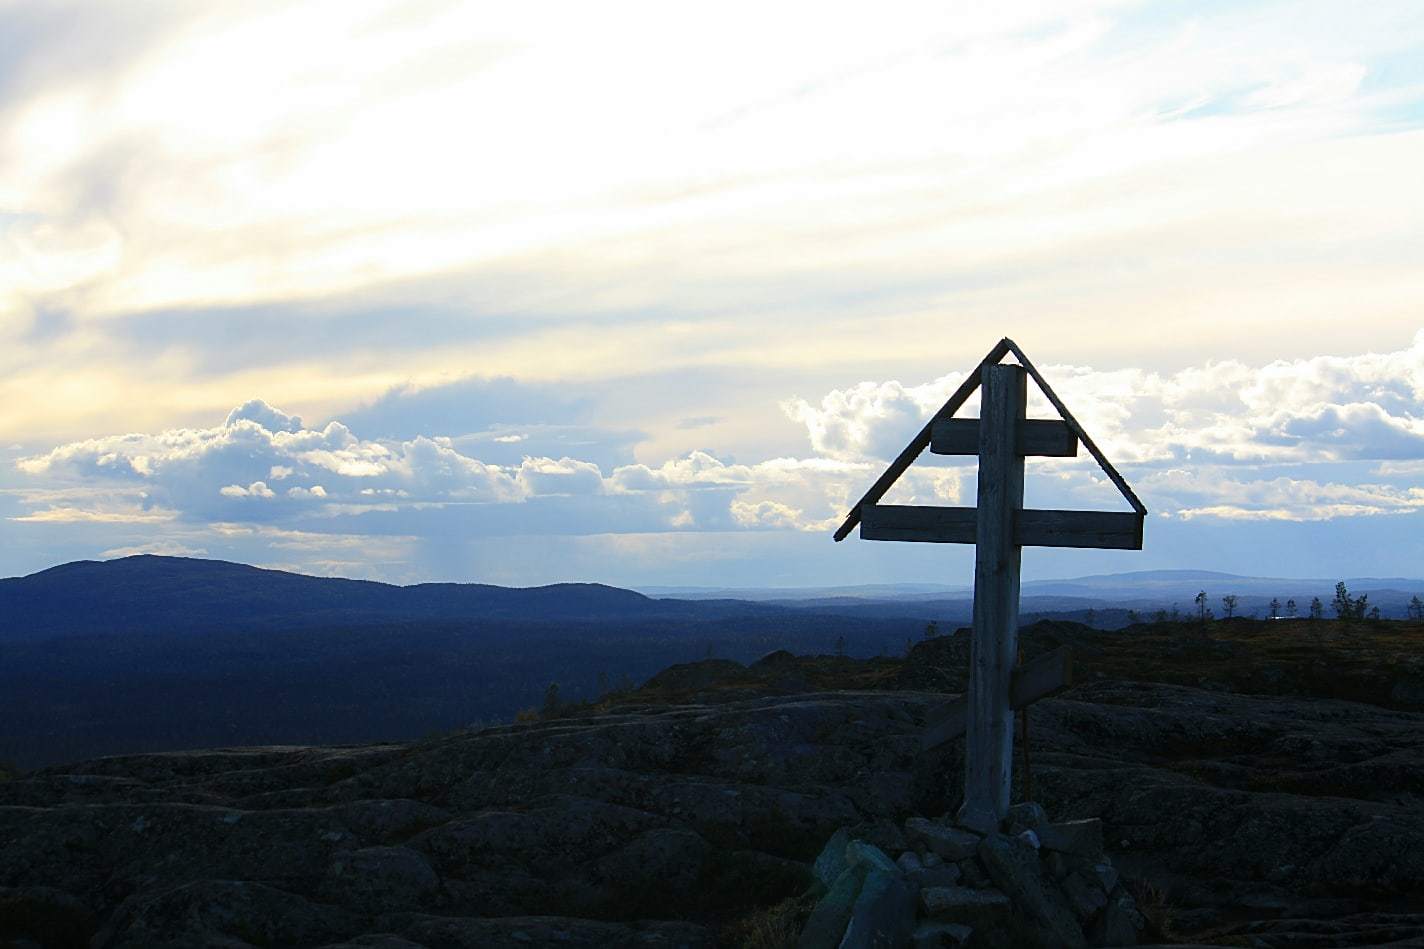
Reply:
x=95 y=655
x=1258 y=783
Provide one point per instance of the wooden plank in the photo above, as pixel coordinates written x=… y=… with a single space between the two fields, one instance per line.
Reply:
x=1038 y=437
x=1104 y=530
x=918 y=444
x=1045 y=676
x=947 y=722
x=916 y=523
x=989 y=746
x=1041 y=678
x=1099 y=529
x=1088 y=443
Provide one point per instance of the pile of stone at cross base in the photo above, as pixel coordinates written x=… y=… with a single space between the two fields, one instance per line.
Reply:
x=1031 y=883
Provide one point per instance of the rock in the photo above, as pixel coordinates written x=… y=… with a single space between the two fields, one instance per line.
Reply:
x=651 y=865
x=883 y=833
x=1013 y=866
x=909 y=862
x=1028 y=837
x=931 y=859
x=1106 y=875
x=535 y=932
x=832 y=860
x=1116 y=925
x=1213 y=791
x=827 y=924
x=1085 y=896
x=1026 y=816
x=381 y=879
x=934 y=935
x=973 y=874
x=1082 y=838
x=859 y=852
x=976 y=823
x=45 y=915
x=957 y=904
x=951 y=843
x=884 y=913
x=225 y=913
x=945 y=875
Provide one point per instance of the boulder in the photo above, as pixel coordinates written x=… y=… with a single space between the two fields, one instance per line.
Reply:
x=47 y=916
x=936 y=935
x=1081 y=838
x=1013 y=866
x=859 y=852
x=1085 y=896
x=973 y=874
x=831 y=862
x=950 y=843
x=884 y=913
x=958 y=904
x=1026 y=816
x=225 y=913
x=827 y=924
x=944 y=875
x=381 y=879
x=1117 y=925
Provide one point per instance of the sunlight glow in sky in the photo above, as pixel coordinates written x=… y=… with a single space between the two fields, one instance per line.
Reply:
x=646 y=293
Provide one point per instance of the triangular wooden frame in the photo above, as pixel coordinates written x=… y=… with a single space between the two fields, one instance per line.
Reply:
x=961 y=395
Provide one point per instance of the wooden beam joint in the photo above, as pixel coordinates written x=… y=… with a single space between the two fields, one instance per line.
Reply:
x=1044 y=438
x=1103 y=530
x=1038 y=679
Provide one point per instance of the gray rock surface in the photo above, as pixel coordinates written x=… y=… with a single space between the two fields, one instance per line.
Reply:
x=884 y=912
x=958 y=904
x=950 y=843
x=827 y=924
x=1013 y=866
x=1291 y=816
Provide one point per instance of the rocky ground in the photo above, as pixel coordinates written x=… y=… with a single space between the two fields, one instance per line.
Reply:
x=689 y=813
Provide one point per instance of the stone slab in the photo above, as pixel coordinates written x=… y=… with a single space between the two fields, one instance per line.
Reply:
x=959 y=904
x=832 y=861
x=1013 y=866
x=951 y=843
x=884 y=913
x=827 y=924
x=1082 y=838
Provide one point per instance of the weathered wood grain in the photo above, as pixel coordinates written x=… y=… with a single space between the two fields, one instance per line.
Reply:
x=1042 y=678
x=925 y=524
x=1101 y=529
x=1038 y=437
x=988 y=756
x=918 y=523
x=1088 y=443
x=918 y=444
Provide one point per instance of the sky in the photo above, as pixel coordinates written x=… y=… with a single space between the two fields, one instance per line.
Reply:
x=648 y=294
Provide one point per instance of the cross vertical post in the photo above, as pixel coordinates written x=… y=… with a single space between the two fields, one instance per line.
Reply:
x=988 y=770
x=1000 y=527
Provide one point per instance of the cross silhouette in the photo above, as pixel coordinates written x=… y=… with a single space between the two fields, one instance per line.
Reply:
x=999 y=527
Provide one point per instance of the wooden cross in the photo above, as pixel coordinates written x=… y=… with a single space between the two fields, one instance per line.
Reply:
x=1000 y=527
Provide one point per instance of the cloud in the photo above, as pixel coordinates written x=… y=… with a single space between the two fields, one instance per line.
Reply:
x=1326 y=408
x=226 y=474
x=161 y=548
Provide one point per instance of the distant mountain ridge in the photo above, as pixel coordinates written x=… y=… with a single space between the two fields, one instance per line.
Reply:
x=1126 y=589
x=147 y=593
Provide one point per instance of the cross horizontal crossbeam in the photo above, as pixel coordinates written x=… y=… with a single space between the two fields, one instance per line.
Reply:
x=1045 y=676
x=1042 y=437
x=1032 y=528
